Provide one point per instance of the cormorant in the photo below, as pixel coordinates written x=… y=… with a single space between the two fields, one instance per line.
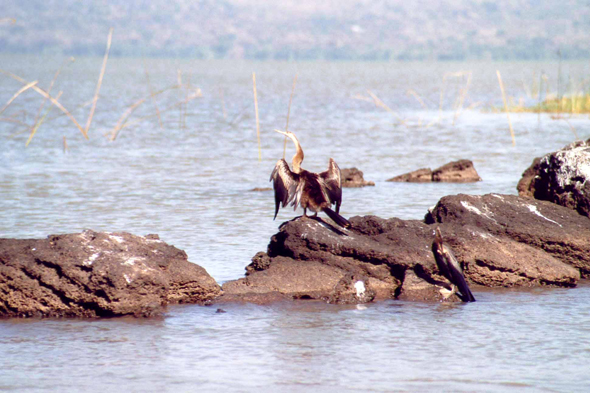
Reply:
x=314 y=191
x=450 y=268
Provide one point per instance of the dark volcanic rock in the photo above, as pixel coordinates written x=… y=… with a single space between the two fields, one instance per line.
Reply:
x=561 y=177
x=94 y=274
x=461 y=171
x=310 y=259
x=501 y=241
x=560 y=233
x=423 y=175
x=352 y=177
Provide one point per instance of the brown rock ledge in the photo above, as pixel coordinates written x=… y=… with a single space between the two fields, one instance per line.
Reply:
x=97 y=274
x=461 y=171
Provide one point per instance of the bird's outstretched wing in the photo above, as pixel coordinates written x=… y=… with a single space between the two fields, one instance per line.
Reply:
x=333 y=182
x=285 y=184
x=456 y=274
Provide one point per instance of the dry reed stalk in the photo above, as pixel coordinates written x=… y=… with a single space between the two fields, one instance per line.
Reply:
x=147 y=76
x=362 y=98
x=71 y=59
x=98 y=85
x=257 y=119
x=462 y=98
x=571 y=127
x=288 y=114
x=413 y=93
x=506 y=107
x=11 y=120
x=179 y=81
x=170 y=107
x=379 y=103
x=11 y=20
x=121 y=123
x=65 y=145
x=18 y=93
x=52 y=99
x=187 y=86
x=38 y=123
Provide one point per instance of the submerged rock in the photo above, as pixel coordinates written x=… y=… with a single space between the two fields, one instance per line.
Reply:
x=561 y=177
x=97 y=274
x=352 y=177
x=461 y=171
x=501 y=241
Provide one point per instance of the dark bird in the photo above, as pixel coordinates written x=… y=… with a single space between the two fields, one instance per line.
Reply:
x=450 y=268
x=314 y=191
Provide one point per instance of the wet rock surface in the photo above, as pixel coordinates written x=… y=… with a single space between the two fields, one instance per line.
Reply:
x=561 y=177
x=97 y=274
x=545 y=232
x=352 y=177
x=500 y=240
x=461 y=171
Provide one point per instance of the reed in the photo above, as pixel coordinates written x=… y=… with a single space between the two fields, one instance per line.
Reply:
x=223 y=110
x=67 y=61
x=18 y=93
x=413 y=93
x=65 y=145
x=288 y=114
x=506 y=107
x=462 y=96
x=147 y=77
x=257 y=119
x=381 y=104
x=179 y=81
x=123 y=119
x=50 y=98
x=99 y=83
x=40 y=121
x=166 y=109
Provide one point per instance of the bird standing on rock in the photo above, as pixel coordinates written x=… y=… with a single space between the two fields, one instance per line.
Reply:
x=314 y=191
x=450 y=268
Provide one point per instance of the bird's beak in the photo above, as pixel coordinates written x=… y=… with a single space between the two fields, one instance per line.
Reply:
x=281 y=132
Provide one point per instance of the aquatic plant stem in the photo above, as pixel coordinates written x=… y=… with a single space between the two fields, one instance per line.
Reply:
x=506 y=107
x=288 y=114
x=257 y=119
x=99 y=83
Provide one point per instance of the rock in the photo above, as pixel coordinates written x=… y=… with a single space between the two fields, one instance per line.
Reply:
x=559 y=233
x=500 y=240
x=561 y=177
x=310 y=259
x=461 y=171
x=352 y=177
x=423 y=175
x=97 y=274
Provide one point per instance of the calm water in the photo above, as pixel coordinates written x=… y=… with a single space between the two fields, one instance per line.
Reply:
x=190 y=182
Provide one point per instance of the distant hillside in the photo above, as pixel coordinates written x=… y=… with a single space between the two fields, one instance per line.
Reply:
x=304 y=29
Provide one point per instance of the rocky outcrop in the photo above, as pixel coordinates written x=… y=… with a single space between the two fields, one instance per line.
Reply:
x=561 y=177
x=461 y=171
x=501 y=241
x=96 y=274
x=543 y=231
x=352 y=177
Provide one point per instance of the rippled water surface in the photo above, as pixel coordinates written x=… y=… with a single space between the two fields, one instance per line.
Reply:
x=190 y=181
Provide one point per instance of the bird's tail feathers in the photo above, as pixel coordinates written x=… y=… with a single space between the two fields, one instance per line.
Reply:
x=337 y=218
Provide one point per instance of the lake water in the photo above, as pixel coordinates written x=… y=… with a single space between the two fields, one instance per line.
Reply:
x=190 y=181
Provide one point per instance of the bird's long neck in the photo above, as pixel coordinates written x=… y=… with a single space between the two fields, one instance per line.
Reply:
x=298 y=157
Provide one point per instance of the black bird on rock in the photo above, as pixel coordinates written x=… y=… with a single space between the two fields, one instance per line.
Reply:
x=314 y=191
x=450 y=268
